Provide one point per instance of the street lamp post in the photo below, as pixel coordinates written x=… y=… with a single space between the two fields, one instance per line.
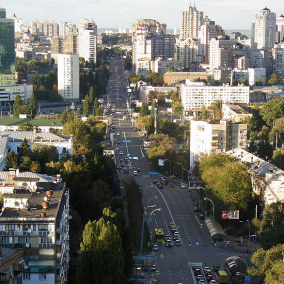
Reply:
x=206 y=198
x=200 y=187
x=170 y=165
x=181 y=170
x=248 y=223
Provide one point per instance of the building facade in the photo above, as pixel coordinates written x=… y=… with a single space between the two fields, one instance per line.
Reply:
x=35 y=217
x=186 y=51
x=68 y=76
x=88 y=40
x=256 y=75
x=7 y=50
x=194 y=95
x=207 y=138
x=178 y=77
x=190 y=22
x=263 y=30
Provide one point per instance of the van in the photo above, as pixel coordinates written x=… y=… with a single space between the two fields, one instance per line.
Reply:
x=135 y=173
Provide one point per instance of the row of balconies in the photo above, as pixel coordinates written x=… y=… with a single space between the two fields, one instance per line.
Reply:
x=26 y=233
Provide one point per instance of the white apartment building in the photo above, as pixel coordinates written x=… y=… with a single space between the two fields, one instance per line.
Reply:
x=190 y=22
x=278 y=58
x=68 y=76
x=234 y=113
x=221 y=54
x=256 y=74
x=186 y=51
x=207 y=138
x=206 y=33
x=145 y=89
x=194 y=95
x=35 y=217
x=263 y=30
x=88 y=40
x=44 y=28
x=280 y=29
x=142 y=66
x=66 y=28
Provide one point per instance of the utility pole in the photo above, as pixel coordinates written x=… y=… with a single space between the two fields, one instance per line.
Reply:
x=155 y=121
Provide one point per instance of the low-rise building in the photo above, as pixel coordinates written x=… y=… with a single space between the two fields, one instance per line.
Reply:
x=177 y=77
x=145 y=89
x=35 y=217
x=208 y=137
x=234 y=113
x=267 y=180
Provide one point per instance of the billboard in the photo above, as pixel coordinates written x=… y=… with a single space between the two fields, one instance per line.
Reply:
x=161 y=162
x=231 y=215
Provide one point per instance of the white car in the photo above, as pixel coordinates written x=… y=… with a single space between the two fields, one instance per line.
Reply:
x=182 y=185
x=120 y=153
x=155 y=247
x=135 y=173
x=118 y=134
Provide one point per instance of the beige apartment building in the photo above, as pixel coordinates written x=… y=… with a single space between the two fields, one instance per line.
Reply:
x=177 y=77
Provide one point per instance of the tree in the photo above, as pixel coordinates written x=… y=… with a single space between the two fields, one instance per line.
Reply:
x=144 y=109
x=228 y=179
x=278 y=158
x=272 y=110
x=24 y=150
x=217 y=109
x=204 y=112
x=11 y=161
x=32 y=105
x=101 y=254
x=268 y=265
x=272 y=79
x=17 y=106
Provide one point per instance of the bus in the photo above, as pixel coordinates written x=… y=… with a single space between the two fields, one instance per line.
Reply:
x=222 y=277
x=159 y=235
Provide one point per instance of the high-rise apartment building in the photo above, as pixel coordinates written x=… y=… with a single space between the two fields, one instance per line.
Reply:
x=68 y=76
x=280 y=29
x=7 y=50
x=278 y=58
x=88 y=40
x=186 y=51
x=263 y=30
x=207 y=138
x=206 y=33
x=221 y=54
x=190 y=22
x=44 y=28
x=140 y=31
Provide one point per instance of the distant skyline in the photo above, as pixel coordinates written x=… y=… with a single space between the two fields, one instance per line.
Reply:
x=230 y=14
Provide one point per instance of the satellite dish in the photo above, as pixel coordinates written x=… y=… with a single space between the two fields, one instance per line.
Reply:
x=45 y=198
x=29 y=230
x=27 y=245
x=26 y=267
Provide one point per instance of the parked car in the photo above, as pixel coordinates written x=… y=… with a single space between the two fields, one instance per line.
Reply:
x=155 y=247
x=135 y=173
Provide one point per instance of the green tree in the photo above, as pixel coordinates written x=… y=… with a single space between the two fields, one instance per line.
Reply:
x=144 y=109
x=272 y=110
x=278 y=158
x=204 y=112
x=32 y=105
x=101 y=254
x=272 y=79
x=268 y=265
x=228 y=179
x=17 y=106
x=12 y=161
x=24 y=149
x=217 y=109
x=36 y=80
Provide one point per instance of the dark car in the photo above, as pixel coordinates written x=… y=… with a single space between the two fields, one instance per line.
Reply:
x=216 y=267
x=202 y=217
x=160 y=186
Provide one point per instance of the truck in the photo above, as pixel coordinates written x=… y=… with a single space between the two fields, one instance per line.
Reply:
x=165 y=181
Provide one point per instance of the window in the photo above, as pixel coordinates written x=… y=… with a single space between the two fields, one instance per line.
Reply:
x=42 y=276
x=44 y=240
x=42 y=227
x=26 y=276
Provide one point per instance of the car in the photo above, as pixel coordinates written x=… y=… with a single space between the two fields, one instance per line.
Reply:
x=155 y=247
x=172 y=225
x=118 y=142
x=120 y=153
x=176 y=238
x=155 y=181
x=169 y=243
x=167 y=237
x=210 y=277
x=213 y=281
x=176 y=234
x=138 y=170
x=178 y=242
x=153 y=267
x=182 y=185
x=160 y=186
x=195 y=209
x=202 y=217
x=199 y=277
x=118 y=134
x=216 y=267
x=135 y=173
x=201 y=281
x=145 y=268
x=173 y=230
x=197 y=271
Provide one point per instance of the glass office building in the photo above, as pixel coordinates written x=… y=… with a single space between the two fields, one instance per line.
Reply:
x=7 y=50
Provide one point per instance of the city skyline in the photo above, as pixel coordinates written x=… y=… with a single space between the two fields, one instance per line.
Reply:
x=122 y=13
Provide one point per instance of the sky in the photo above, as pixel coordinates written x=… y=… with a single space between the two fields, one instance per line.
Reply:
x=230 y=14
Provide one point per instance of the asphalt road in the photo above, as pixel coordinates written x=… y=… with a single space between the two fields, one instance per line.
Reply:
x=173 y=263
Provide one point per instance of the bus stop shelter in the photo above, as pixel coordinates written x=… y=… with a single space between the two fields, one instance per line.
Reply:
x=215 y=230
